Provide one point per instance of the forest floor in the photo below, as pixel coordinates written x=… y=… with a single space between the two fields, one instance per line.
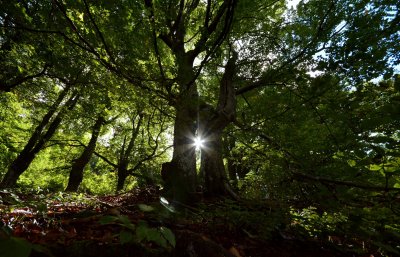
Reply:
x=134 y=224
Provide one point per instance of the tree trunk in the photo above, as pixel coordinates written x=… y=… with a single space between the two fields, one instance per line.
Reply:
x=17 y=167
x=35 y=144
x=123 y=161
x=212 y=124
x=215 y=178
x=232 y=174
x=122 y=171
x=76 y=174
x=182 y=177
x=181 y=182
x=229 y=144
x=237 y=167
x=122 y=175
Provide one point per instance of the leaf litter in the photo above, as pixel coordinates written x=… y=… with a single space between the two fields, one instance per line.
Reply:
x=64 y=221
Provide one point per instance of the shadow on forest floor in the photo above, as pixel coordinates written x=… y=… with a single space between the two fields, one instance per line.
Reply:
x=135 y=224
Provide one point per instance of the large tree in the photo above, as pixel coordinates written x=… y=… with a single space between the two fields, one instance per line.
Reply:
x=183 y=43
x=189 y=31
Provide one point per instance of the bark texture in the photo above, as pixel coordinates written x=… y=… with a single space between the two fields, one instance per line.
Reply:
x=183 y=165
x=212 y=124
x=216 y=25
x=79 y=164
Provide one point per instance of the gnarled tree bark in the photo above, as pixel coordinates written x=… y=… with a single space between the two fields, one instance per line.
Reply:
x=212 y=124
x=183 y=163
x=216 y=24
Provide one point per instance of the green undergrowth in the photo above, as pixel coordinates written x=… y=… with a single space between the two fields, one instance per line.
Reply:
x=356 y=230
x=373 y=229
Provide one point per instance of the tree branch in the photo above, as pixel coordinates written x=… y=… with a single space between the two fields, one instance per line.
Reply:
x=105 y=159
x=299 y=175
x=7 y=88
x=98 y=31
x=266 y=79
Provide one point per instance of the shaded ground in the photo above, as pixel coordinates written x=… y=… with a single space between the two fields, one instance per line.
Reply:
x=134 y=224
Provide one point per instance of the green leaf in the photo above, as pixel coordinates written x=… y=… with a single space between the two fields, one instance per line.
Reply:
x=107 y=220
x=126 y=222
x=155 y=235
x=5 y=232
x=145 y=207
x=141 y=231
x=386 y=247
x=169 y=235
x=125 y=236
x=15 y=247
x=161 y=236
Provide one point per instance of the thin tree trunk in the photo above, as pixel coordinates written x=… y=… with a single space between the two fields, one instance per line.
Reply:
x=229 y=144
x=36 y=143
x=232 y=174
x=123 y=161
x=78 y=166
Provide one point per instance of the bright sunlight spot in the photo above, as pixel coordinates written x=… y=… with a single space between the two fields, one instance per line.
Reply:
x=198 y=142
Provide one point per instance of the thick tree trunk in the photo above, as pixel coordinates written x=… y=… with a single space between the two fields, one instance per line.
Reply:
x=35 y=144
x=78 y=166
x=215 y=178
x=182 y=175
x=212 y=124
x=184 y=155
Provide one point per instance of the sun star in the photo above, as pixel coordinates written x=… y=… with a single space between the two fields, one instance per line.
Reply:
x=198 y=142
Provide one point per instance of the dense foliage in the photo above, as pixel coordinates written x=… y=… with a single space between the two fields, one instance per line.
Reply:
x=297 y=108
